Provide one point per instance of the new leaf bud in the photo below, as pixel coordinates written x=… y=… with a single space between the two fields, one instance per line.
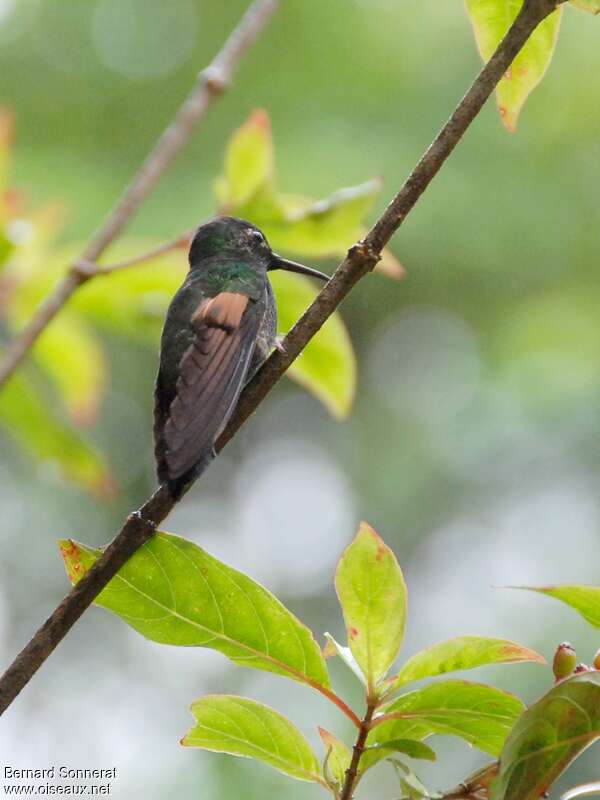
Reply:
x=565 y=659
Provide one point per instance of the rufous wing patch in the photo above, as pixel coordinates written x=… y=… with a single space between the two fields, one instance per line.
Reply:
x=212 y=372
x=224 y=311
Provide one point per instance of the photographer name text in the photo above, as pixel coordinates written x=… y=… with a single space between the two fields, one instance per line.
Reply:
x=59 y=773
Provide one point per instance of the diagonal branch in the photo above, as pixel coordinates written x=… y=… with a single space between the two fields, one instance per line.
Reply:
x=361 y=258
x=212 y=82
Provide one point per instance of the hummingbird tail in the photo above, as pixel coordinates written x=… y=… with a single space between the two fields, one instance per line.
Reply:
x=179 y=486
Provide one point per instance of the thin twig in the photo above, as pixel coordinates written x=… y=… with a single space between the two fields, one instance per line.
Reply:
x=90 y=269
x=475 y=787
x=182 y=242
x=361 y=258
x=359 y=748
x=212 y=82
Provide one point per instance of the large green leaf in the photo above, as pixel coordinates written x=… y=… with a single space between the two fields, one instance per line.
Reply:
x=548 y=737
x=325 y=227
x=584 y=599
x=491 y=20
x=294 y=223
x=6 y=210
x=412 y=748
x=249 y=162
x=479 y=714
x=327 y=366
x=30 y=420
x=69 y=352
x=463 y=652
x=337 y=758
x=373 y=597
x=243 y=727
x=173 y=592
x=7 y=129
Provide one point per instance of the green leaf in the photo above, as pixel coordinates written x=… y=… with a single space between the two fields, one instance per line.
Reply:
x=327 y=366
x=325 y=227
x=463 y=652
x=295 y=223
x=372 y=594
x=491 y=20
x=584 y=599
x=6 y=245
x=593 y=6
x=548 y=737
x=6 y=140
x=410 y=747
x=31 y=422
x=335 y=648
x=173 y=592
x=243 y=727
x=249 y=162
x=479 y=714
x=337 y=758
x=7 y=130
x=410 y=784
x=71 y=355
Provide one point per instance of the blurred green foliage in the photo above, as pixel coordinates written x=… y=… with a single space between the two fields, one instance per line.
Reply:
x=132 y=301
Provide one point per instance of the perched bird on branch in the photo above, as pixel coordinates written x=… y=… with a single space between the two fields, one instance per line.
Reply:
x=220 y=327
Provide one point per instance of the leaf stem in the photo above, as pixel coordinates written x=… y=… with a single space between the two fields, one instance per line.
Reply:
x=357 y=751
x=337 y=700
x=476 y=786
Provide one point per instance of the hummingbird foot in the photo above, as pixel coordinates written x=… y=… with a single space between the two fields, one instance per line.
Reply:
x=278 y=344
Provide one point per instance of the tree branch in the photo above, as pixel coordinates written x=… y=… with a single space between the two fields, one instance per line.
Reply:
x=212 y=82
x=361 y=258
x=475 y=787
x=357 y=751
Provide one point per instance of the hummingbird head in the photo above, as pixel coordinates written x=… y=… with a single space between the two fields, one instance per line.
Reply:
x=231 y=238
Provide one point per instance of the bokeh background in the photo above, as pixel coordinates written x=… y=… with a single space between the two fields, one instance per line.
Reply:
x=473 y=446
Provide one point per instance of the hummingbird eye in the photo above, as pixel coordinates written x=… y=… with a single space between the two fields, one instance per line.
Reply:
x=257 y=236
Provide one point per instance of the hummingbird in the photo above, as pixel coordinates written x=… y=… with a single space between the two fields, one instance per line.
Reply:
x=220 y=327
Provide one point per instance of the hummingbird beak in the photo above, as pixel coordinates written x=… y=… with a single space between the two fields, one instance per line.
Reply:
x=292 y=266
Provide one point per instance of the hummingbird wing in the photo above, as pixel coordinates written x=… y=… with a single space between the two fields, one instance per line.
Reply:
x=212 y=373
